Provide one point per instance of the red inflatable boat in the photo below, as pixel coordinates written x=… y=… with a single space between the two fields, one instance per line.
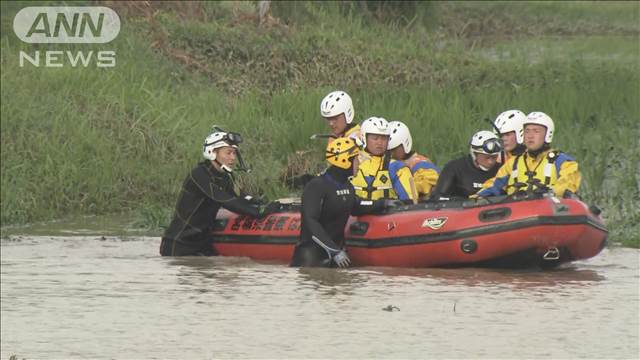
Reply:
x=513 y=232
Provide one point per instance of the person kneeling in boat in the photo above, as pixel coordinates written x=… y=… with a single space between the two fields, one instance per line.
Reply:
x=509 y=127
x=381 y=177
x=463 y=177
x=209 y=186
x=337 y=110
x=327 y=202
x=425 y=173
x=539 y=168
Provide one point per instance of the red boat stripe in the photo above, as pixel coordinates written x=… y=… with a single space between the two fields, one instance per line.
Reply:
x=421 y=239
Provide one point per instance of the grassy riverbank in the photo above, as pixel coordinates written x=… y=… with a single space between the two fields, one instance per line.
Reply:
x=96 y=141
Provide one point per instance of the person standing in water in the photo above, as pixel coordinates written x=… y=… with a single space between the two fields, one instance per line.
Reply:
x=207 y=188
x=327 y=202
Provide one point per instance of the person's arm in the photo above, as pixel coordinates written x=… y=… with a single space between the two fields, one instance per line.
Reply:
x=569 y=176
x=402 y=181
x=425 y=175
x=213 y=191
x=445 y=184
x=498 y=184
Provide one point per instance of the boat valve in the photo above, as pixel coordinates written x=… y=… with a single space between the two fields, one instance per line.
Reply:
x=552 y=254
x=468 y=246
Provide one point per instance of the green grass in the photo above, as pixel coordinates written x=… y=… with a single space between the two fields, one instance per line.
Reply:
x=97 y=141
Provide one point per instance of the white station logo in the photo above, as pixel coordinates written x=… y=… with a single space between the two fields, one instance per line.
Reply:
x=434 y=223
x=66 y=24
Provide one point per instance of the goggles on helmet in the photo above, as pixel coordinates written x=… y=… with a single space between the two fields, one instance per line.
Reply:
x=231 y=139
x=490 y=147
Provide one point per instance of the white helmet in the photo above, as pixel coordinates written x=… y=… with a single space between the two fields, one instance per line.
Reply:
x=336 y=103
x=399 y=135
x=540 y=118
x=484 y=142
x=373 y=125
x=215 y=141
x=511 y=120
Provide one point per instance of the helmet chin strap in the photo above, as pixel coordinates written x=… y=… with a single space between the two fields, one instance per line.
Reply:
x=223 y=166
x=475 y=161
x=482 y=167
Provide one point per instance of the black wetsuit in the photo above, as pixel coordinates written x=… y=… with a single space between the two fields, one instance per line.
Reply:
x=204 y=191
x=460 y=178
x=327 y=202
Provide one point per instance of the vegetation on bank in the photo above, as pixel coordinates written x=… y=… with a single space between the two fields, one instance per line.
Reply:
x=96 y=141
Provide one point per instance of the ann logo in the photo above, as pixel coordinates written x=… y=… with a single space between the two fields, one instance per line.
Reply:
x=66 y=24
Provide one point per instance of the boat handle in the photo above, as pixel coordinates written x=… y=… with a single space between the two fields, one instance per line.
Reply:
x=552 y=254
x=359 y=228
x=494 y=214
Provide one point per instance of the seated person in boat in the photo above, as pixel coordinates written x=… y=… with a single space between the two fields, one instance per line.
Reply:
x=337 y=109
x=327 y=202
x=465 y=176
x=539 y=168
x=509 y=127
x=381 y=177
x=425 y=173
x=209 y=186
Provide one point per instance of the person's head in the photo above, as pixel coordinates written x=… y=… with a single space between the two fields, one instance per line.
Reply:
x=374 y=135
x=509 y=124
x=337 y=109
x=484 y=148
x=400 y=141
x=341 y=151
x=221 y=148
x=538 y=130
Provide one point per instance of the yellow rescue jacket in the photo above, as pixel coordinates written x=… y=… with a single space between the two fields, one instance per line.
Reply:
x=354 y=134
x=425 y=173
x=351 y=133
x=380 y=177
x=551 y=168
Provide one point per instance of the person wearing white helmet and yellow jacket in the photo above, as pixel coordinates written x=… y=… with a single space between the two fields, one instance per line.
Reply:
x=337 y=109
x=425 y=172
x=508 y=126
x=540 y=168
x=381 y=177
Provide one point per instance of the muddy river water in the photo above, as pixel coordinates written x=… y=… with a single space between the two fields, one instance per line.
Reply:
x=88 y=296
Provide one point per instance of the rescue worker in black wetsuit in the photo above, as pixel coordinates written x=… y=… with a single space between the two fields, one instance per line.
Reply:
x=327 y=202
x=209 y=186
x=463 y=177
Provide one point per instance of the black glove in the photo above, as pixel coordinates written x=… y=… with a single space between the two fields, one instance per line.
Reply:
x=392 y=203
x=270 y=208
x=380 y=205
